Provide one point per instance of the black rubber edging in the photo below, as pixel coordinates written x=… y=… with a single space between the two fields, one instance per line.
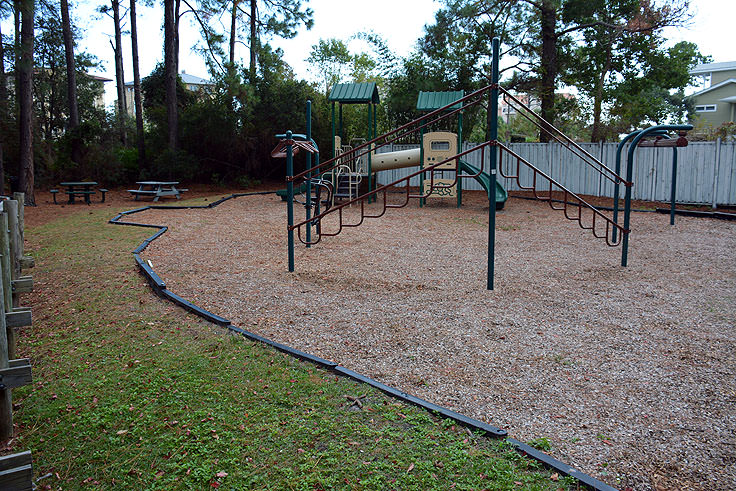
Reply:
x=563 y=468
x=302 y=355
x=700 y=214
x=158 y=285
x=434 y=408
x=607 y=208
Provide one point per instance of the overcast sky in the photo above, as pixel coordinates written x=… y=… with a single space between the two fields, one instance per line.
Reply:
x=400 y=23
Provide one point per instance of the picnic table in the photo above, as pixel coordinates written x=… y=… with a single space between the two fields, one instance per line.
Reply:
x=83 y=189
x=156 y=189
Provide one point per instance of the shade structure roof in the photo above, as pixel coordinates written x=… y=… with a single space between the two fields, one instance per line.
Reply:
x=430 y=101
x=355 y=93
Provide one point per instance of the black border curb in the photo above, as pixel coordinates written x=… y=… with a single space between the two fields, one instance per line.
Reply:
x=159 y=287
x=700 y=214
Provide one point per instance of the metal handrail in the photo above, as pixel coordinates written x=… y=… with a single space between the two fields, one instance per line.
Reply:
x=611 y=239
x=383 y=191
x=564 y=140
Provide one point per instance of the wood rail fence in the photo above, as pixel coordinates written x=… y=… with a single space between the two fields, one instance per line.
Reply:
x=15 y=469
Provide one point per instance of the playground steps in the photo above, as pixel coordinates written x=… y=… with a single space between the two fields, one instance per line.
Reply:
x=347 y=185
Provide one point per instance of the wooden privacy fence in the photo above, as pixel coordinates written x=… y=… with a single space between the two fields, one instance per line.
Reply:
x=706 y=171
x=15 y=470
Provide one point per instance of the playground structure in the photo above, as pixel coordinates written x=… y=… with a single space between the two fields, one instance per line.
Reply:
x=499 y=157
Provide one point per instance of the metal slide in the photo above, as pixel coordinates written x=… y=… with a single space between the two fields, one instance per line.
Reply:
x=485 y=181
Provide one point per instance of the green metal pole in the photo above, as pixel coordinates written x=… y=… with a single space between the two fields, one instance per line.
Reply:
x=340 y=120
x=334 y=150
x=616 y=184
x=290 y=197
x=370 y=124
x=459 y=149
x=674 y=185
x=493 y=136
x=629 y=171
x=421 y=166
x=308 y=204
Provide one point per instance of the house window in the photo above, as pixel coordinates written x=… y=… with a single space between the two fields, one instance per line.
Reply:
x=706 y=108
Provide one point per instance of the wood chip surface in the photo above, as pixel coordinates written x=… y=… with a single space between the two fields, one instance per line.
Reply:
x=628 y=372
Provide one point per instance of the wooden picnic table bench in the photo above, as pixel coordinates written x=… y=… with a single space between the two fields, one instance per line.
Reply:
x=82 y=189
x=157 y=189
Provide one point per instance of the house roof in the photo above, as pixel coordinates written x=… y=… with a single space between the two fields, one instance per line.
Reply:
x=193 y=79
x=716 y=86
x=713 y=67
x=429 y=101
x=98 y=78
x=186 y=78
x=355 y=93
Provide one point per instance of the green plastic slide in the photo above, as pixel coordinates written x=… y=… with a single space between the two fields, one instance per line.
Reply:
x=485 y=181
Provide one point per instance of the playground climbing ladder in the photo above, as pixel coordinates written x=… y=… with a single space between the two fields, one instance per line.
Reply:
x=500 y=159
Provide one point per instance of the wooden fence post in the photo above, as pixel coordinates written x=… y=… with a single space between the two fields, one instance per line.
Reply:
x=6 y=402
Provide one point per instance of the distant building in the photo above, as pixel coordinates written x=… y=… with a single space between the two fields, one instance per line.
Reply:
x=507 y=112
x=716 y=103
x=100 y=82
x=191 y=82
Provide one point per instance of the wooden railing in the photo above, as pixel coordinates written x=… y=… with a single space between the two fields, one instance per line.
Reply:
x=15 y=469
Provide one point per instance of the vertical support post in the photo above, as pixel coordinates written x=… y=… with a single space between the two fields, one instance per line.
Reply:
x=6 y=401
x=421 y=166
x=16 y=253
x=308 y=204
x=334 y=149
x=627 y=200
x=16 y=247
x=342 y=136
x=6 y=266
x=290 y=196
x=21 y=199
x=457 y=162
x=674 y=185
x=371 y=119
x=493 y=137
x=717 y=168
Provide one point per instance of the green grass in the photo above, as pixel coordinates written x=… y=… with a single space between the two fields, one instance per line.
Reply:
x=133 y=393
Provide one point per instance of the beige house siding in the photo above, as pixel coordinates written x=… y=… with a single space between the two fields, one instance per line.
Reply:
x=720 y=76
x=710 y=106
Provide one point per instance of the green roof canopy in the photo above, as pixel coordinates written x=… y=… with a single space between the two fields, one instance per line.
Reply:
x=430 y=101
x=355 y=93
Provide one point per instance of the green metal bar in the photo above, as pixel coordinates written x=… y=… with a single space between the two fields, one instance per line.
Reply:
x=459 y=149
x=674 y=185
x=290 y=196
x=616 y=184
x=308 y=204
x=629 y=171
x=492 y=136
x=340 y=120
x=421 y=166
x=334 y=150
x=370 y=124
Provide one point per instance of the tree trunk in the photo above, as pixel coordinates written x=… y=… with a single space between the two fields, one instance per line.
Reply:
x=597 y=133
x=233 y=26
x=170 y=73
x=71 y=82
x=3 y=113
x=548 y=61
x=176 y=37
x=25 y=70
x=119 y=76
x=253 y=39
x=137 y=88
x=16 y=55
